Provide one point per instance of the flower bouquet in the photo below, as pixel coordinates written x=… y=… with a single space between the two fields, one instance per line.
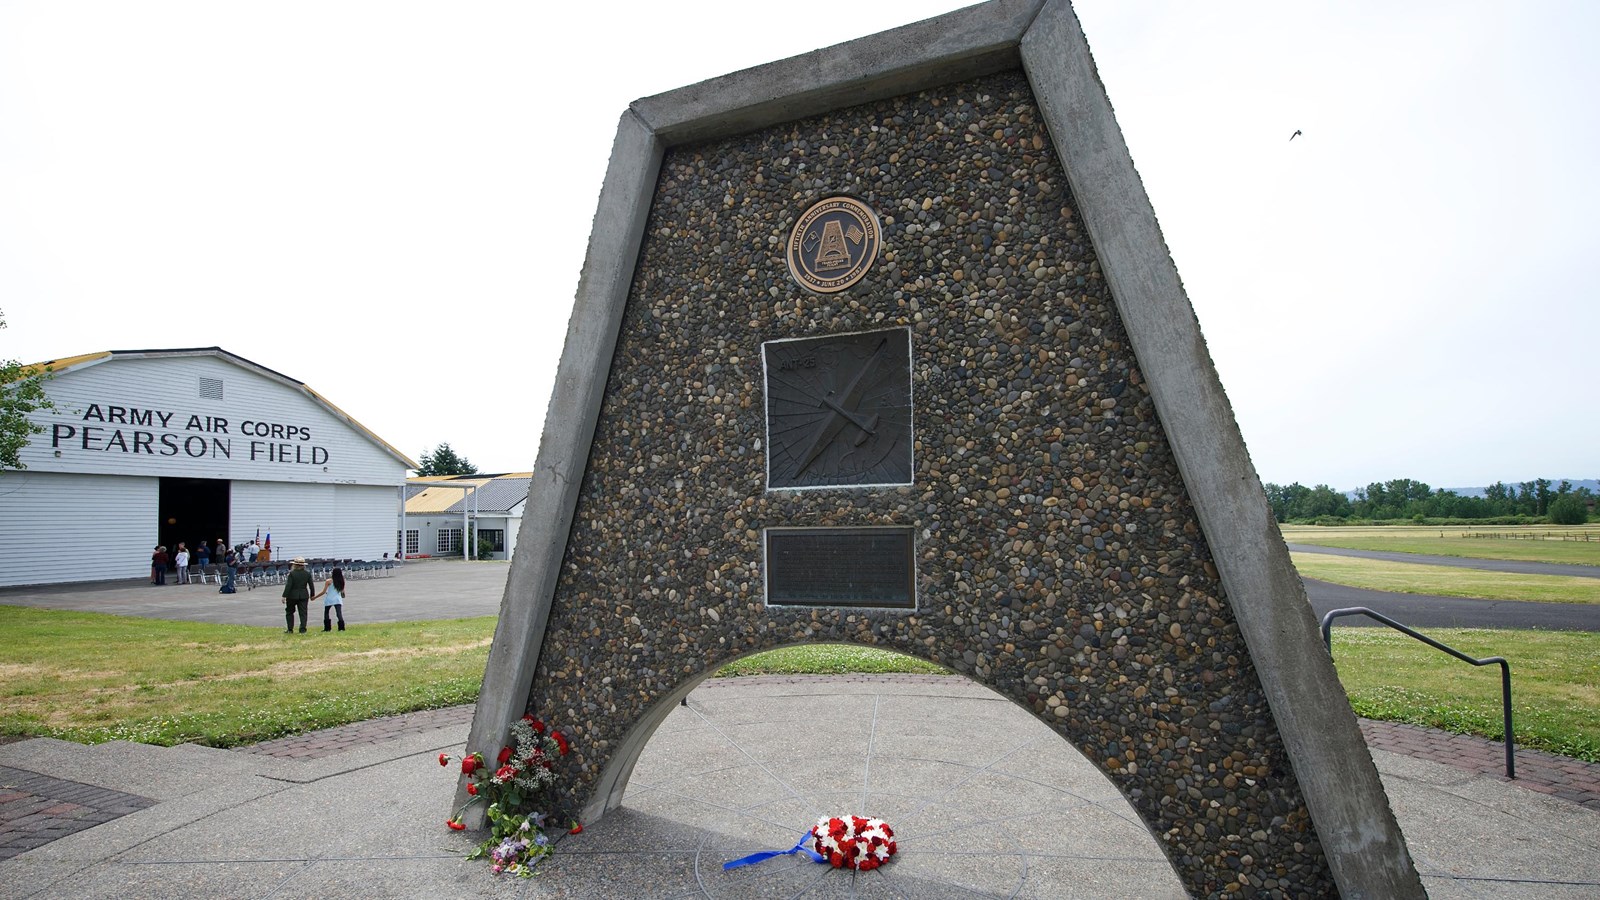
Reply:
x=854 y=842
x=522 y=772
x=844 y=842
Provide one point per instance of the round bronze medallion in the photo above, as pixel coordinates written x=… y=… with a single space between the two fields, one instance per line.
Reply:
x=833 y=245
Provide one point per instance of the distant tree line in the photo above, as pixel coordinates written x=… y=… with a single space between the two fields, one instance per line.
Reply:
x=1403 y=498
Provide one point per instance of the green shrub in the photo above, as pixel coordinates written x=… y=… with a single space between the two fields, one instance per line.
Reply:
x=1568 y=510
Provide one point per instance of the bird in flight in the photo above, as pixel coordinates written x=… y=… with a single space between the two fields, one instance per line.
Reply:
x=1295 y=135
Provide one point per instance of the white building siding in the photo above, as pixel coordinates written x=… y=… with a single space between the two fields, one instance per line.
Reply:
x=428 y=525
x=61 y=528
x=367 y=516
x=346 y=521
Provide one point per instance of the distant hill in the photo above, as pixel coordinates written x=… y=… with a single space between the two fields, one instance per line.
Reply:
x=1591 y=484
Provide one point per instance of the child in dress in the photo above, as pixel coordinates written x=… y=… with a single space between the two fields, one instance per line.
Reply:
x=332 y=597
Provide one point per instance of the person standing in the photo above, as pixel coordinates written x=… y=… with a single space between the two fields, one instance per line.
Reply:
x=297 y=591
x=221 y=552
x=231 y=560
x=182 y=562
x=202 y=558
x=332 y=597
x=158 y=565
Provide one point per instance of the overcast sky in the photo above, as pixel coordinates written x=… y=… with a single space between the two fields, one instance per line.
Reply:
x=390 y=201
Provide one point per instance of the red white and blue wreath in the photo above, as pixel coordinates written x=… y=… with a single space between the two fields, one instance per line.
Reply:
x=844 y=842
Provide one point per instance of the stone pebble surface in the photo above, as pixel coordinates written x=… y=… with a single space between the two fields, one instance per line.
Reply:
x=1058 y=558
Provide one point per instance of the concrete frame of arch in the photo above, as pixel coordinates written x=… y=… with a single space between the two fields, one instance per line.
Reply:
x=1365 y=851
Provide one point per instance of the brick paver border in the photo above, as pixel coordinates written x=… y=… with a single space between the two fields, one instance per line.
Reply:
x=1547 y=773
x=330 y=741
x=37 y=809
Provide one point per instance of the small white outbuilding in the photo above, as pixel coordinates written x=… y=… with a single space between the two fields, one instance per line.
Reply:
x=157 y=447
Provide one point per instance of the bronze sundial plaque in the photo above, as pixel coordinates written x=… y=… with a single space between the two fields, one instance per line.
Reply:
x=856 y=567
x=833 y=244
x=839 y=410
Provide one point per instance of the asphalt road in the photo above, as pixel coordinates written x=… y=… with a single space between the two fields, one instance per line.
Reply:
x=1514 y=566
x=1426 y=611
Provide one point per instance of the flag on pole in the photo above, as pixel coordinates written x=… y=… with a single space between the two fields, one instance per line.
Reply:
x=268 y=544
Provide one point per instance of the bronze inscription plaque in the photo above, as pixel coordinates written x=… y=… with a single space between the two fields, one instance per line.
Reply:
x=858 y=567
x=839 y=410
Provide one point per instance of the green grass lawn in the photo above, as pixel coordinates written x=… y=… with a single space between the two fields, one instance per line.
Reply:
x=1446 y=581
x=1555 y=683
x=1448 y=540
x=92 y=677
x=828 y=659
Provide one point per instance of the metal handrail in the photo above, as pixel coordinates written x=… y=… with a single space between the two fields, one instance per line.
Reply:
x=1505 y=667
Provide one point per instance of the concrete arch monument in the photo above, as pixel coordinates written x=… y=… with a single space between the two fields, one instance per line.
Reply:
x=998 y=444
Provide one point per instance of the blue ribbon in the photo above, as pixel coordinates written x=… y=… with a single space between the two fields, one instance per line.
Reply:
x=768 y=854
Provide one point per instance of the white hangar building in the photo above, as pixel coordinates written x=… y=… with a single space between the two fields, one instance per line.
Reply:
x=150 y=447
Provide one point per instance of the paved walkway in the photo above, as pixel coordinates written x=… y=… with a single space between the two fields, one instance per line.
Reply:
x=1514 y=566
x=417 y=590
x=986 y=800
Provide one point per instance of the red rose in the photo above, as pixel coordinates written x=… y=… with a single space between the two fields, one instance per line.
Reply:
x=472 y=789
x=505 y=755
x=455 y=825
x=537 y=725
x=469 y=764
x=575 y=829
x=444 y=760
x=505 y=773
x=561 y=741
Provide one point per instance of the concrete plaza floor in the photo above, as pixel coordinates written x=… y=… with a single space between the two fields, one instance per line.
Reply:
x=418 y=589
x=986 y=801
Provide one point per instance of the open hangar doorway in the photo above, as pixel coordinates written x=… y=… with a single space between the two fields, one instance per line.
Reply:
x=192 y=510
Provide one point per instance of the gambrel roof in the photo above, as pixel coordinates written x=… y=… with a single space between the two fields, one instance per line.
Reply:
x=58 y=367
